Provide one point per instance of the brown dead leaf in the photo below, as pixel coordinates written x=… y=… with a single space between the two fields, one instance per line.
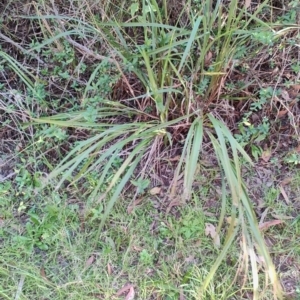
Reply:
x=19 y=147
x=109 y=269
x=131 y=207
x=197 y=243
x=296 y=87
x=43 y=274
x=286 y=181
x=247 y=3
x=229 y=221
x=137 y=248
x=266 y=155
x=275 y=71
x=285 y=196
x=210 y=230
x=89 y=262
x=130 y=295
x=207 y=59
x=175 y=202
x=123 y=290
x=282 y=113
x=263 y=216
x=268 y=224
x=285 y=95
x=260 y=260
x=294 y=90
x=156 y=190
x=175 y=158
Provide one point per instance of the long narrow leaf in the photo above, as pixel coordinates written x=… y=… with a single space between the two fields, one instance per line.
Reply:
x=191 y=39
x=193 y=149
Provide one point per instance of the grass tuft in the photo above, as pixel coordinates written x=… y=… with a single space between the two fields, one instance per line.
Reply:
x=125 y=119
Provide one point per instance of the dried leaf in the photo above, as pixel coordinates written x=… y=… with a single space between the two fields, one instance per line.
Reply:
x=260 y=260
x=43 y=274
x=263 y=215
x=293 y=93
x=207 y=59
x=279 y=217
x=266 y=155
x=176 y=202
x=156 y=190
x=268 y=224
x=285 y=95
x=285 y=196
x=175 y=158
x=275 y=71
x=282 y=113
x=109 y=269
x=90 y=260
x=137 y=248
x=229 y=221
x=210 y=230
x=247 y=3
x=286 y=181
x=19 y=147
x=130 y=295
x=124 y=289
x=133 y=205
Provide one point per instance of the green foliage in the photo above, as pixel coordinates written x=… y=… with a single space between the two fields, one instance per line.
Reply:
x=190 y=228
x=265 y=38
x=292 y=158
x=296 y=67
x=141 y=184
x=40 y=232
x=178 y=72
x=99 y=85
x=252 y=134
x=146 y=258
x=290 y=17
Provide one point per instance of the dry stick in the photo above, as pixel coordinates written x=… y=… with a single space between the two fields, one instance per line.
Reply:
x=2 y=179
x=7 y=39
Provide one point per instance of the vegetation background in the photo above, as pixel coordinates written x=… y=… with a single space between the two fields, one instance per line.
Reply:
x=149 y=149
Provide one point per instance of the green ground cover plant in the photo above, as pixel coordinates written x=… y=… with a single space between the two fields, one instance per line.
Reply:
x=133 y=137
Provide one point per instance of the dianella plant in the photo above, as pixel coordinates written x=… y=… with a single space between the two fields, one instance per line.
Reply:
x=170 y=62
